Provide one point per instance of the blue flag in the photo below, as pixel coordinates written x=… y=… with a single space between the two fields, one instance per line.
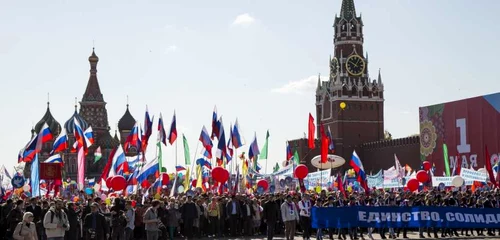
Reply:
x=35 y=177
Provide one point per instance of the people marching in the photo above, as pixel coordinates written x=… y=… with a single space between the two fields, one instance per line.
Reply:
x=212 y=215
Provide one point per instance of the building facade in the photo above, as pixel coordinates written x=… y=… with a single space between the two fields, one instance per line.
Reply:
x=360 y=125
x=92 y=113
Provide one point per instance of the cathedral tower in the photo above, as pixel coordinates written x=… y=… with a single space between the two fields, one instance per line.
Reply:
x=349 y=82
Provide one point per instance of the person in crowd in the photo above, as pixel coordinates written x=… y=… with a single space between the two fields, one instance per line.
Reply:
x=26 y=229
x=189 y=213
x=233 y=209
x=73 y=217
x=290 y=217
x=56 y=222
x=95 y=224
x=152 y=221
x=305 y=206
x=36 y=210
x=14 y=217
x=173 y=217
x=130 y=218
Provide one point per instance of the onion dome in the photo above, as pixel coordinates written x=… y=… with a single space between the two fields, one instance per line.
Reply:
x=70 y=124
x=54 y=126
x=93 y=58
x=106 y=141
x=127 y=122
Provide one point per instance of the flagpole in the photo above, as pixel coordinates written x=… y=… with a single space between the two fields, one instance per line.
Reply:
x=176 y=144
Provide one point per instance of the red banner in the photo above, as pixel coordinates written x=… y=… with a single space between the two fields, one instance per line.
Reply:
x=50 y=171
x=466 y=127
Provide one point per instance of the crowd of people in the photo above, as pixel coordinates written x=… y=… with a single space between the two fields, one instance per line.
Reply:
x=212 y=215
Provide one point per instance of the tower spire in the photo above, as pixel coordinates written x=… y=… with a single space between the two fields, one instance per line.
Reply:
x=348 y=10
x=93 y=91
x=379 y=80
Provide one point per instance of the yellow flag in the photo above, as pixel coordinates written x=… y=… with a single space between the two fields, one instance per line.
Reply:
x=187 y=180
x=199 y=180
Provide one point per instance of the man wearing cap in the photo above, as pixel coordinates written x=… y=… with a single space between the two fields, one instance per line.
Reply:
x=290 y=217
x=95 y=224
x=305 y=206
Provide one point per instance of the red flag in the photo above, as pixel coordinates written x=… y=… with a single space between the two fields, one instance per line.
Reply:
x=311 y=129
x=340 y=185
x=487 y=163
x=458 y=167
x=50 y=171
x=324 y=145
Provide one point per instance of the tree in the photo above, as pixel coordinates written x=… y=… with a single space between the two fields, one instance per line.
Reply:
x=387 y=135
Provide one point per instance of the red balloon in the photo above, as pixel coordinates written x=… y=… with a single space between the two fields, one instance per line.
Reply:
x=118 y=183
x=263 y=183
x=108 y=182
x=412 y=184
x=219 y=174
x=194 y=182
x=301 y=171
x=164 y=179
x=426 y=165
x=422 y=176
x=145 y=184
x=134 y=203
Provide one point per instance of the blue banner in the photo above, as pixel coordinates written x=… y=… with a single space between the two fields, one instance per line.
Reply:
x=410 y=217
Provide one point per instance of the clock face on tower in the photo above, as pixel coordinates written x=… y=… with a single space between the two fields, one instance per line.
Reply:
x=334 y=67
x=355 y=65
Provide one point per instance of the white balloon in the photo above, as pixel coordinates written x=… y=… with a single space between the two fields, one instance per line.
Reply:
x=457 y=181
x=26 y=188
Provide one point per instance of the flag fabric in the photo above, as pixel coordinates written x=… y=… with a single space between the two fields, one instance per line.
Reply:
x=400 y=170
x=81 y=167
x=120 y=164
x=340 y=185
x=289 y=153
x=159 y=158
x=179 y=168
x=187 y=180
x=61 y=142
x=206 y=142
x=296 y=157
x=222 y=153
x=105 y=172
x=148 y=129
x=446 y=161
x=133 y=139
x=488 y=167
x=43 y=136
x=149 y=169
x=236 y=136
x=50 y=171
x=215 y=125
x=172 y=135
x=35 y=178
x=97 y=154
x=79 y=135
x=357 y=165
x=265 y=149
x=89 y=136
x=324 y=145
x=276 y=168
x=254 y=148
x=162 y=136
x=331 y=145
x=230 y=147
x=187 y=156
x=56 y=158
x=311 y=129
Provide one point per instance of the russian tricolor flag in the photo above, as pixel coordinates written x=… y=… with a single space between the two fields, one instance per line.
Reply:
x=56 y=158
x=117 y=164
x=133 y=139
x=236 y=136
x=61 y=142
x=289 y=153
x=329 y=135
x=254 y=148
x=357 y=165
x=148 y=129
x=79 y=135
x=179 y=168
x=172 y=136
x=215 y=125
x=89 y=136
x=150 y=168
x=44 y=136
x=162 y=136
x=206 y=142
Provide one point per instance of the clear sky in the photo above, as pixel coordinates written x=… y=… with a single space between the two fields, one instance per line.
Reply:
x=255 y=60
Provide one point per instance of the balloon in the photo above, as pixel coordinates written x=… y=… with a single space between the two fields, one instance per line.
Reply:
x=288 y=180
x=103 y=196
x=457 y=181
x=108 y=181
x=165 y=178
x=282 y=183
x=134 y=203
x=26 y=188
x=260 y=190
x=194 y=182
x=426 y=165
x=342 y=105
x=301 y=171
x=220 y=174
x=318 y=189
x=118 y=183
x=422 y=176
x=145 y=184
x=349 y=188
x=89 y=191
x=180 y=189
x=107 y=201
x=76 y=199
x=335 y=184
x=272 y=188
x=412 y=184
x=157 y=196
x=263 y=183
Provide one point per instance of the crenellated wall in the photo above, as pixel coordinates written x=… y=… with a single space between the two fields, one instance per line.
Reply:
x=380 y=154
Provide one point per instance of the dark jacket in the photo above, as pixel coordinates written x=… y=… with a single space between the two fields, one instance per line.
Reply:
x=15 y=216
x=271 y=212
x=37 y=212
x=102 y=227
x=189 y=211
x=229 y=208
